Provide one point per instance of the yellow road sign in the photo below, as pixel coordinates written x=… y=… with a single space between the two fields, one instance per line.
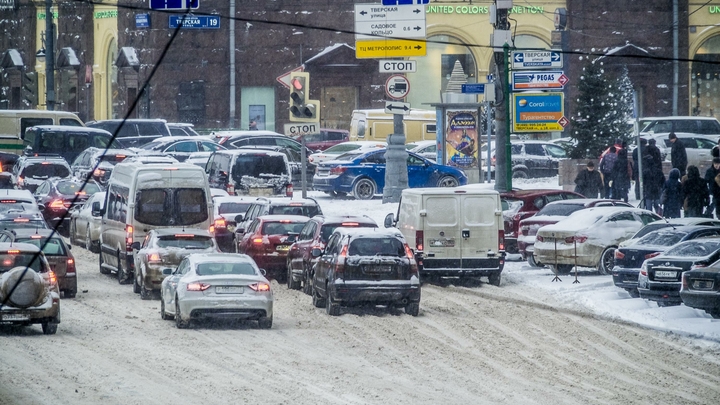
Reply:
x=389 y=48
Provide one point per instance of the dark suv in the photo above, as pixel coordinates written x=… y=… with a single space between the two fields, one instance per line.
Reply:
x=306 y=207
x=314 y=235
x=372 y=265
x=30 y=171
x=134 y=132
x=534 y=159
x=98 y=161
x=67 y=142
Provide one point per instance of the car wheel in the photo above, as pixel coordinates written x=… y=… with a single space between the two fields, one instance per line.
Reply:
x=412 y=309
x=519 y=174
x=121 y=277
x=136 y=286
x=103 y=270
x=69 y=294
x=561 y=268
x=265 y=322
x=317 y=300
x=291 y=284
x=531 y=261
x=634 y=293
x=49 y=328
x=73 y=240
x=163 y=315
x=307 y=280
x=607 y=261
x=494 y=278
x=88 y=241
x=448 y=181
x=179 y=322
x=331 y=307
x=145 y=294
x=364 y=189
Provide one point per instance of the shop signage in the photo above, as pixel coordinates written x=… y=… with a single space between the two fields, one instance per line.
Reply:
x=538 y=112
x=373 y=21
x=536 y=59
x=527 y=80
x=195 y=21
x=101 y=14
x=476 y=9
x=473 y=88
x=389 y=48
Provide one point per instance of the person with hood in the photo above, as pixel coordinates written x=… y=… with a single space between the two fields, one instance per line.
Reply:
x=606 y=166
x=713 y=180
x=588 y=182
x=696 y=193
x=636 y=168
x=620 y=176
x=672 y=195
x=678 y=154
x=653 y=177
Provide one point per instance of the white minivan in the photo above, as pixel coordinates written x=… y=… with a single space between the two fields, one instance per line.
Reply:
x=454 y=232
x=141 y=197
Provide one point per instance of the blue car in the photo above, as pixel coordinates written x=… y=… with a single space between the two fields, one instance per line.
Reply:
x=364 y=175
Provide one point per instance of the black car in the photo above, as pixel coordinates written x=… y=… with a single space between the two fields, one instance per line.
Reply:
x=701 y=289
x=629 y=259
x=20 y=219
x=534 y=159
x=366 y=265
x=660 y=277
x=30 y=171
x=65 y=141
x=134 y=132
x=100 y=162
x=181 y=147
x=307 y=207
x=56 y=197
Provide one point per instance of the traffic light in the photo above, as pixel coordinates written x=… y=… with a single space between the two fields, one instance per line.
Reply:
x=30 y=89
x=302 y=109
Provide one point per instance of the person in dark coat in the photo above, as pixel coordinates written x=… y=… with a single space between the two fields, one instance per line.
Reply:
x=711 y=178
x=636 y=167
x=696 y=193
x=672 y=195
x=620 y=176
x=715 y=152
x=606 y=166
x=678 y=155
x=588 y=182
x=653 y=177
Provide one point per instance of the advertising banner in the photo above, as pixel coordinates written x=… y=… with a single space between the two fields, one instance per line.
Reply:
x=461 y=139
x=538 y=112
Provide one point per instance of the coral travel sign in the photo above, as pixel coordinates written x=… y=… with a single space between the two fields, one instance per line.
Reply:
x=538 y=112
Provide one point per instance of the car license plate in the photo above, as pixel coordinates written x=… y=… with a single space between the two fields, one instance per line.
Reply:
x=703 y=284
x=378 y=269
x=665 y=274
x=283 y=247
x=448 y=242
x=228 y=289
x=14 y=317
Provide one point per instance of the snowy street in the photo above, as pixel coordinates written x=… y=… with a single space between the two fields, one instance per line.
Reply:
x=529 y=341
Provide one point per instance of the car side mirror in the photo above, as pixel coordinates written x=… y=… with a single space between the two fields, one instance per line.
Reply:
x=135 y=245
x=263 y=272
x=69 y=247
x=41 y=207
x=240 y=230
x=316 y=252
x=389 y=220
x=167 y=271
x=239 y=217
x=28 y=150
x=96 y=211
x=292 y=237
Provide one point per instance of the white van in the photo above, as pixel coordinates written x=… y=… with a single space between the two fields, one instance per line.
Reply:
x=377 y=125
x=454 y=232
x=141 y=197
x=13 y=124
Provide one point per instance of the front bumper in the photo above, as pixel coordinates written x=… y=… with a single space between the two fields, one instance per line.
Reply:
x=625 y=277
x=236 y=306
x=381 y=292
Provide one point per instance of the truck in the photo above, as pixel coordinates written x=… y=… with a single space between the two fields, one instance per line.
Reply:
x=376 y=125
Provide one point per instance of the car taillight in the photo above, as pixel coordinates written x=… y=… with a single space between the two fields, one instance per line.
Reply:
x=619 y=254
x=52 y=278
x=99 y=173
x=576 y=238
x=501 y=241
x=154 y=258
x=223 y=140
x=57 y=204
x=289 y=190
x=337 y=170
x=230 y=188
x=258 y=241
x=197 y=286
x=408 y=252
x=70 y=266
x=643 y=269
x=684 y=282
x=20 y=181
x=651 y=255
x=419 y=235
x=220 y=223
x=260 y=287
x=539 y=238
x=698 y=265
x=128 y=237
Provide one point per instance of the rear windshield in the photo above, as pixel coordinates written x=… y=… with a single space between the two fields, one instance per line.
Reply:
x=651 y=227
x=182 y=241
x=341 y=148
x=114 y=159
x=233 y=208
x=376 y=247
x=51 y=247
x=9 y=261
x=694 y=248
x=171 y=206
x=45 y=170
x=259 y=165
x=216 y=269
x=559 y=209
x=281 y=228
x=662 y=238
x=69 y=187
x=305 y=210
x=327 y=230
x=23 y=224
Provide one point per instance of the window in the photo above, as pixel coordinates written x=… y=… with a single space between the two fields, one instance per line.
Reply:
x=308 y=231
x=647 y=218
x=516 y=149
x=415 y=161
x=185 y=241
x=555 y=151
x=70 y=188
x=332 y=243
x=70 y=122
x=704 y=143
x=625 y=216
x=26 y=123
x=304 y=210
x=44 y=171
x=553 y=197
x=336 y=136
x=258 y=165
x=209 y=146
x=534 y=149
x=178 y=207
x=708 y=127
x=77 y=142
x=184 y=147
x=376 y=247
x=689 y=143
x=281 y=228
x=51 y=246
x=243 y=268
x=10 y=261
x=233 y=208
x=376 y=158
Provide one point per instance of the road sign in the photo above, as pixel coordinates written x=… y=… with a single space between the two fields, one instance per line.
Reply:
x=142 y=20
x=373 y=21
x=195 y=21
x=284 y=78
x=301 y=129
x=563 y=121
x=396 y=107
x=402 y=2
x=174 y=4
x=397 y=87
x=526 y=80
x=538 y=112
x=536 y=59
x=473 y=88
x=397 y=66
x=389 y=48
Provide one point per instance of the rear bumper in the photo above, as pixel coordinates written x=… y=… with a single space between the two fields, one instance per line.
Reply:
x=48 y=311
x=236 y=306
x=68 y=283
x=587 y=256
x=400 y=292
x=663 y=292
x=705 y=300
x=625 y=277
x=461 y=267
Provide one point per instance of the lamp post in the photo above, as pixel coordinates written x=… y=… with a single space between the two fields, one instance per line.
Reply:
x=49 y=57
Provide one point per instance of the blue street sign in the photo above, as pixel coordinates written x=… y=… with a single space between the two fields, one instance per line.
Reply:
x=403 y=2
x=174 y=4
x=473 y=88
x=195 y=21
x=142 y=20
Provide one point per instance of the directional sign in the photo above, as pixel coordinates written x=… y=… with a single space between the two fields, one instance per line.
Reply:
x=473 y=88
x=397 y=66
x=538 y=112
x=389 y=48
x=402 y=2
x=373 y=21
x=563 y=121
x=396 y=107
x=536 y=59
x=195 y=21
x=174 y=4
x=397 y=87
x=284 y=78
x=539 y=80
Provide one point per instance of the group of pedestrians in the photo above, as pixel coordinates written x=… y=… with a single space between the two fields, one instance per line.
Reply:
x=683 y=190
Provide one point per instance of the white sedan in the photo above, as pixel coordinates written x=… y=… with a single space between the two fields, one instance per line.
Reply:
x=354 y=146
x=426 y=149
x=84 y=227
x=589 y=238
x=216 y=286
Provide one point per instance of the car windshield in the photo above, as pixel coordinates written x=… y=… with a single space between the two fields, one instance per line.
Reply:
x=651 y=227
x=172 y=206
x=23 y=223
x=694 y=248
x=348 y=156
x=9 y=261
x=281 y=228
x=218 y=269
x=185 y=241
x=376 y=247
x=341 y=148
x=511 y=206
x=259 y=165
x=69 y=187
x=156 y=145
x=559 y=209
x=662 y=238
x=304 y=210
x=51 y=246
x=233 y=208
x=45 y=170
x=328 y=229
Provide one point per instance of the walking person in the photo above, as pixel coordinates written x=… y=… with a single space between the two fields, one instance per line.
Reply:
x=636 y=168
x=653 y=178
x=678 y=154
x=672 y=195
x=588 y=182
x=606 y=166
x=696 y=193
x=620 y=176
x=712 y=177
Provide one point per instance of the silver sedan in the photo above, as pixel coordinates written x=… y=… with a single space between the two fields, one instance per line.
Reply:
x=216 y=286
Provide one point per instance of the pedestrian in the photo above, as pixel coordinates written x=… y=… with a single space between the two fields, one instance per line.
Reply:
x=253 y=125
x=715 y=152
x=588 y=182
x=636 y=168
x=678 y=155
x=712 y=177
x=696 y=193
x=672 y=195
x=620 y=176
x=653 y=177
x=606 y=165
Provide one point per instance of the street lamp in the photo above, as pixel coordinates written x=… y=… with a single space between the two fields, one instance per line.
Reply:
x=40 y=54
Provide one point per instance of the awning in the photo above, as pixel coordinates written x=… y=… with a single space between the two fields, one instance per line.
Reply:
x=11 y=59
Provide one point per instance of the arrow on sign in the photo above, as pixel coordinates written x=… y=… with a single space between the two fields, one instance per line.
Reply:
x=563 y=121
x=563 y=79
x=417 y=28
x=555 y=56
x=397 y=107
x=363 y=12
x=518 y=57
x=417 y=11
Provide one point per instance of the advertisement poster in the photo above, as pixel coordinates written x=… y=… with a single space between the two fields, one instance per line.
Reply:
x=461 y=139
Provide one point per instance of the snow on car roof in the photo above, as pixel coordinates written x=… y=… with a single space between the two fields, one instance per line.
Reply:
x=584 y=218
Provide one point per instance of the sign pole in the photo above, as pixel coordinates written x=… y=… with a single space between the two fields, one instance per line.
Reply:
x=639 y=146
x=508 y=145
x=489 y=130
x=303 y=167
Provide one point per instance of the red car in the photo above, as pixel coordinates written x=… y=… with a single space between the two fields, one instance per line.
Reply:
x=552 y=214
x=266 y=241
x=315 y=235
x=520 y=204
x=324 y=139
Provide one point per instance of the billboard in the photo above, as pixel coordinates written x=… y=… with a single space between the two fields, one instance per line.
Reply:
x=461 y=139
x=538 y=112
